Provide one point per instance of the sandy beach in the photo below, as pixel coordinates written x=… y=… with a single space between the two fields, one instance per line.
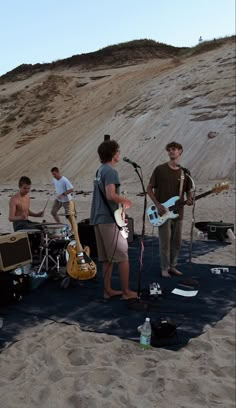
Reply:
x=56 y=365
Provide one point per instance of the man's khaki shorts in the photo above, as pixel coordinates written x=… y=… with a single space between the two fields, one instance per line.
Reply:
x=111 y=246
x=58 y=204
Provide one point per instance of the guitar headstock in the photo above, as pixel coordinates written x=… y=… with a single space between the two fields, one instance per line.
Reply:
x=220 y=187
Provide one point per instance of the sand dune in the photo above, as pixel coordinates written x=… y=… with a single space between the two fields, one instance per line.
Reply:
x=58 y=118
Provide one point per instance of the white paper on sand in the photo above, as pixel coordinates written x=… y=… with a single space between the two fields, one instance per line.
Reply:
x=187 y=293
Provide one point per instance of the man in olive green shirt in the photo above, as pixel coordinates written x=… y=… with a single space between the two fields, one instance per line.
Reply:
x=163 y=185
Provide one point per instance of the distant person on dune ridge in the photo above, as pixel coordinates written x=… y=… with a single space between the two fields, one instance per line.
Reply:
x=64 y=189
x=19 y=207
x=169 y=180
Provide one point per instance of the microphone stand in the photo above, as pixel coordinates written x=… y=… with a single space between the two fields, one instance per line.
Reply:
x=193 y=218
x=138 y=304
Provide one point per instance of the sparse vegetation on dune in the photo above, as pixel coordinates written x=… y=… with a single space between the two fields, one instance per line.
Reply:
x=136 y=51
x=143 y=93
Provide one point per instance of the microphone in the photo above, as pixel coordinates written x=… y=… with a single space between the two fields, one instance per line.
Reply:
x=131 y=162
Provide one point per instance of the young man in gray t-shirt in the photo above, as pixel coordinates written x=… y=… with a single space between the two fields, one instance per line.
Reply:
x=112 y=246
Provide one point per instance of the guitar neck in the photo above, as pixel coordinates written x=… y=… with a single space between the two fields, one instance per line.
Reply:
x=176 y=205
x=200 y=196
x=79 y=247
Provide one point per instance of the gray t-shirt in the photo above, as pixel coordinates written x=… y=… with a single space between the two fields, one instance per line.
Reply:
x=100 y=213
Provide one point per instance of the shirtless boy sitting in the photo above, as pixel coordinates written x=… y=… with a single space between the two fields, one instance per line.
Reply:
x=19 y=207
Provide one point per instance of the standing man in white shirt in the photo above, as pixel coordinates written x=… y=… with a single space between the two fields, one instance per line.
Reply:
x=63 y=188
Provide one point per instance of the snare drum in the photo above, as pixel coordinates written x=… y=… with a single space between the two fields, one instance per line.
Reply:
x=57 y=231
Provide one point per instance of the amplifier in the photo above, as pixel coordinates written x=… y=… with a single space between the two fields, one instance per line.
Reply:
x=14 y=251
x=87 y=236
x=131 y=229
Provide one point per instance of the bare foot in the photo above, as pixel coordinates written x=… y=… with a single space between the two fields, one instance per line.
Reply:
x=165 y=274
x=175 y=271
x=129 y=295
x=111 y=293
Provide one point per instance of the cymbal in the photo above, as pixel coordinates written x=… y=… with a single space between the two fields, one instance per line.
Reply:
x=53 y=224
x=46 y=224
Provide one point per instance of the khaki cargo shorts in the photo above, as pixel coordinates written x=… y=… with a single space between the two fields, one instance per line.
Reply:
x=58 y=204
x=111 y=245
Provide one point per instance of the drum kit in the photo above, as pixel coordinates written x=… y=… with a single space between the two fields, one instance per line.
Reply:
x=48 y=243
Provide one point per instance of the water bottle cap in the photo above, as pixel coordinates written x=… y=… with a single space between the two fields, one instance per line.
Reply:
x=147 y=319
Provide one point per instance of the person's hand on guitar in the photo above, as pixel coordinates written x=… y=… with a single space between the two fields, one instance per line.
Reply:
x=126 y=203
x=161 y=209
x=189 y=200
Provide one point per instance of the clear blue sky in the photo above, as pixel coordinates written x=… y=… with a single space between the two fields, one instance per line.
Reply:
x=34 y=31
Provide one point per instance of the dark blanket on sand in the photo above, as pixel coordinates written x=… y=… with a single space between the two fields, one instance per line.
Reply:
x=83 y=302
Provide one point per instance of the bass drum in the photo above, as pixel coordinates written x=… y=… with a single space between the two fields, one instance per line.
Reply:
x=57 y=247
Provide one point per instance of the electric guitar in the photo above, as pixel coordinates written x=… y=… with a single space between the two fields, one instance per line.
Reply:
x=121 y=221
x=173 y=204
x=79 y=265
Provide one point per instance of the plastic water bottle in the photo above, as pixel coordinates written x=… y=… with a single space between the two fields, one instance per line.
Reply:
x=145 y=336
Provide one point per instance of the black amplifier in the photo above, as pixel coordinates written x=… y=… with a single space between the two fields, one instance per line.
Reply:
x=87 y=236
x=131 y=229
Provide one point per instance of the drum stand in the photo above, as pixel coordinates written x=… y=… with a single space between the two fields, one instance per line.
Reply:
x=47 y=256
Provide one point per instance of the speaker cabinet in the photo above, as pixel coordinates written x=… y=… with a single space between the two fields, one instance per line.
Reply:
x=87 y=236
x=131 y=229
x=14 y=251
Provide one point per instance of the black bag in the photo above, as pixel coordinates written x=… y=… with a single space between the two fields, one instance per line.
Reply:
x=13 y=287
x=163 y=332
x=215 y=230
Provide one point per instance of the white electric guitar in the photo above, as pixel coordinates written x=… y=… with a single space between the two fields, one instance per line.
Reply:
x=173 y=204
x=121 y=221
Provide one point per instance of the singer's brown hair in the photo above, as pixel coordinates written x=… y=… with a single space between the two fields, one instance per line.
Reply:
x=107 y=150
x=175 y=145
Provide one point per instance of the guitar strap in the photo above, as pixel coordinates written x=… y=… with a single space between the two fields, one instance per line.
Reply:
x=181 y=183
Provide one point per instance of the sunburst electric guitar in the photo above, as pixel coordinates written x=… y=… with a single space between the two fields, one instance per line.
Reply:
x=80 y=265
x=173 y=204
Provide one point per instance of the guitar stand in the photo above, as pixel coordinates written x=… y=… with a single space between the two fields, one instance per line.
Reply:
x=47 y=256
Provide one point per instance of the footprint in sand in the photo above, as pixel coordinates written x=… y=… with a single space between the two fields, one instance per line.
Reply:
x=79 y=356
